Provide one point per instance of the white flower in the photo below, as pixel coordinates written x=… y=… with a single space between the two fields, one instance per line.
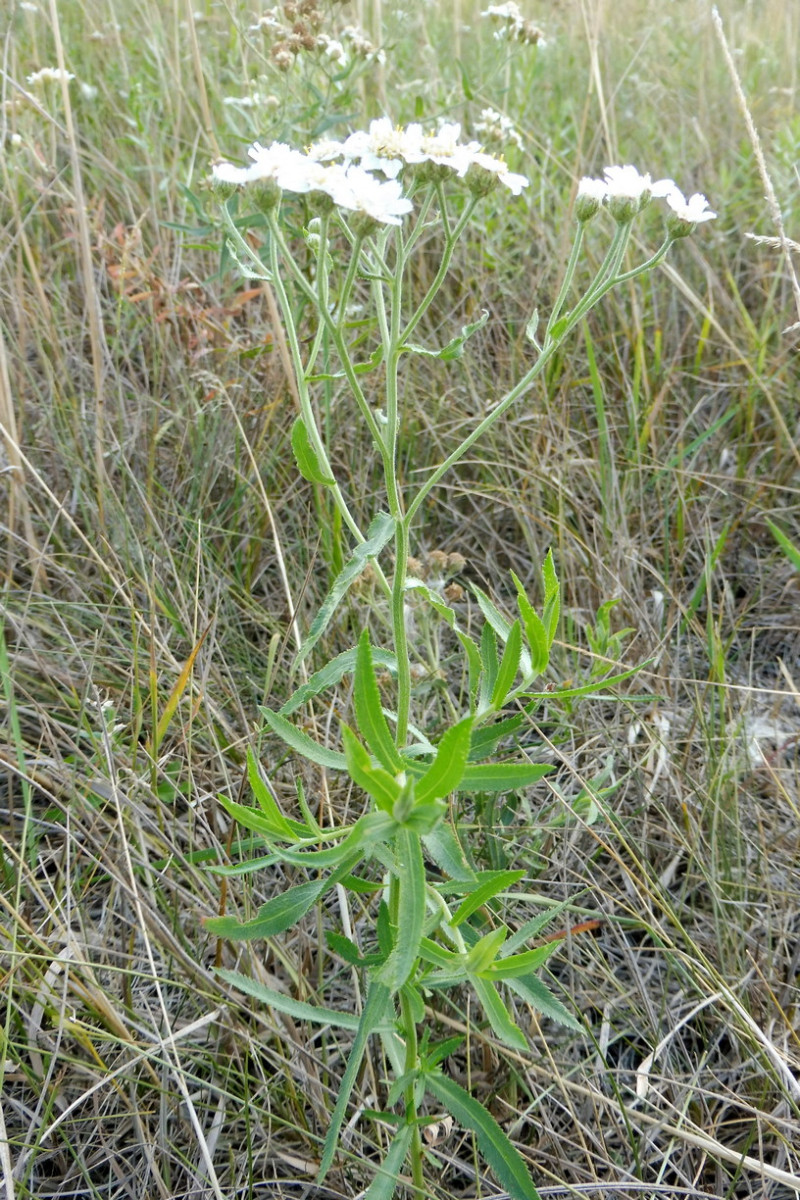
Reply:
x=499 y=168
x=695 y=210
x=278 y=162
x=49 y=75
x=627 y=192
x=382 y=200
x=332 y=49
x=497 y=127
x=592 y=189
x=325 y=150
x=384 y=147
x=444 y=148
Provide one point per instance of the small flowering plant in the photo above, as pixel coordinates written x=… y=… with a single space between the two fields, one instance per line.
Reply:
x=439 y=920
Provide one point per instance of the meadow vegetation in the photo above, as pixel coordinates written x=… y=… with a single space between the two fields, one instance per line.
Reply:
x=164 y=558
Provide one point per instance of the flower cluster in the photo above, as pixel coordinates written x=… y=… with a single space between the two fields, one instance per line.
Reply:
x=297 y=29
x=343 y=172
x=497 y=129
x=49 y=75
x=512 y=26
x=625 y=192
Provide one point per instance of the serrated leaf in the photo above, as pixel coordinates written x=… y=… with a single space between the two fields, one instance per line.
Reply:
x=444 y=848
x=387 y=1175
x=306 y=456
x=301 y=743
x=410 y=909
x=473 y=664
x=534 y=630
x=377 y=783
x=489 y=667
x=277 y=915
x=514 y=965
x=380 y=531
x=509 y=665
x=500 y=624
x=369 y=713
x=445 y=772
x=455 y=348
x=332 y=673
x=498 y=1015
x=286 y=1004
x=485 y=951
x=376 y=1007
x=552 y=598
x=288 y=831
x=497 y=881
x=500 y=1153
x=502 y=777
x=542 y=1000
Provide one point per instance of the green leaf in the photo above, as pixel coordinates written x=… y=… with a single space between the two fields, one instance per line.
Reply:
x=275 y=916
x=473 y=662
x=790 y=550
x=498 y=1015
x=485 y=951
x=349 y=951
x=410 y=909
x=289 y=831
x=509 y=665
x=445 y=772
x=380 y=531
x=485 y=741
x=552 y=598
x=534 y=927
x=447 y=852
x=332 y=673
x=251 y=818
x=285 y=1004
x=387 y=1177
x=306 y=456
x=301 y=743
x=514 y=965
x=376 y=1007
x=534 y=630
x=593 y=689
x=438 y=605
x=377 y=783
x=496 y=882
x=369 y=713
x=455 y=348
x=489 y=667
x=500 y=1153
x=542 y=1000
x=532 y=326
x=502 y=777
x=500 y=624
x=438 y=956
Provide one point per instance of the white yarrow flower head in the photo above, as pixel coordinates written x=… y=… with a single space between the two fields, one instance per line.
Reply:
x=384 y=147
x=591 y=195
x=374 y=201
x=486 y=172
x=685 y=214
x=49 y=75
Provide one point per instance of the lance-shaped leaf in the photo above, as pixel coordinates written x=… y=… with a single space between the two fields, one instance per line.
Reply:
x=286 y=1004
x=369 y=713
x=332 y=673
x=502 y=777
x=410 y=870
x=383 y=787
x=306 y=456
x=445 y=773
x=552 y=597
x=515 y=965
x=542 y=1000
x=509 y=665
x=376 y=1007
x=534 y=629
x=380 y=531
x=386 y=1180
x=281 y=826
x=490 y=664
x=454 y=348
x=301 y=743
x=444 y=848
x=281 y=912
x=500 y=1153
x=500 y=624
x=485 y=951
x=498 y=1016
x=490 y=886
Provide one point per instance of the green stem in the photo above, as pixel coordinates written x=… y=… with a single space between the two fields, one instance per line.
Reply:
x=410 y=1037
x=452 y=237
